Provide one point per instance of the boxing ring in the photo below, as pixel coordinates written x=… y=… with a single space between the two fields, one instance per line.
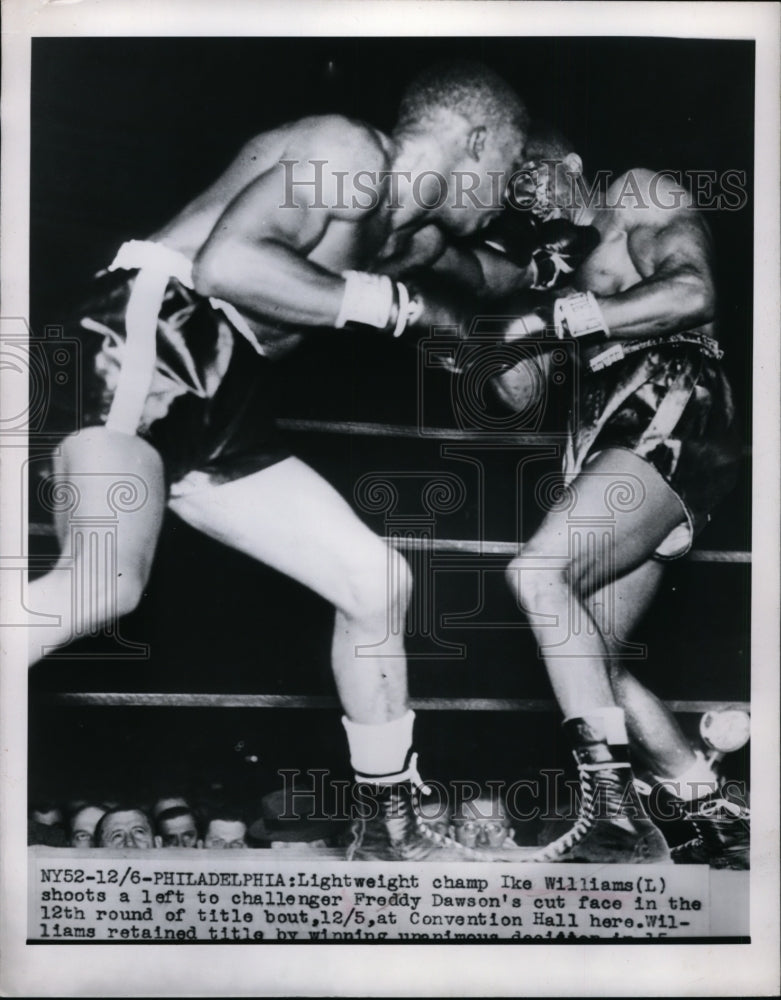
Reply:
x=414 y=545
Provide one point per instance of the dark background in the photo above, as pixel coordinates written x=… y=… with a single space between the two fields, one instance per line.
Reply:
x=124 y=132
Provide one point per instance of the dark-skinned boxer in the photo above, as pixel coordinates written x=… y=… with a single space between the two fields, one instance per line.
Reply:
x=652 y=448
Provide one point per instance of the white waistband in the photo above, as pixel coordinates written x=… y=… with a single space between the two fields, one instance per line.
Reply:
x=137 y=254
x=144 y=254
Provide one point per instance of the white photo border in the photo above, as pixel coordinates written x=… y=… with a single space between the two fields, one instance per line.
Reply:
x=428 y=970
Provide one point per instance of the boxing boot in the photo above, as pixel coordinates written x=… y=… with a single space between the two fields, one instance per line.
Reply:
x=722 y=828
x=612 y=826
x=388 y=826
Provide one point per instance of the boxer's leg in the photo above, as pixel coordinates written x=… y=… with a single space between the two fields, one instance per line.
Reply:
x=290 y=518
x=690 y=783
x=576 y=553
x=570 y=558
x=107 y=536
x=654 y=732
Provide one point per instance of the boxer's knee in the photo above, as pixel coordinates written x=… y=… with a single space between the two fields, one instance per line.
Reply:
x=117 y=594
x=130 y=589
x=98 y=594
x=375 y=585
x=539 y=584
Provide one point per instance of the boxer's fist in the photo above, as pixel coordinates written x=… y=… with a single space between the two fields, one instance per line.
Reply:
x=561 y=249
x=406 y=308
x=533 y=321
x=437 y=300
x=570 y=317
x=512 y=235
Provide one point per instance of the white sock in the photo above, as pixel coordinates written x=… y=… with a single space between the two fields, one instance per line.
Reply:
x=381 y=749
x=696 y=782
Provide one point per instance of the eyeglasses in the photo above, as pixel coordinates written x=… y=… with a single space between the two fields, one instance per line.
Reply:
x=472 y=828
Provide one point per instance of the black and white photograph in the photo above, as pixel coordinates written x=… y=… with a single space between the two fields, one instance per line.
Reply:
x=389 y=501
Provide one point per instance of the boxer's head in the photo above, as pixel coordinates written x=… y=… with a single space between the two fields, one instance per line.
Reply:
x=547 y=182
x=468 y=127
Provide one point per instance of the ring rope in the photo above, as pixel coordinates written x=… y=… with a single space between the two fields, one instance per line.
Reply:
x=489 y=548
x=408 y=431
x=475 y=547
x=443 y=434
x=423 y=433
x=171 y=699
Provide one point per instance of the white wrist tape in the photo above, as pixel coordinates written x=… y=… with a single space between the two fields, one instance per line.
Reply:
x=402 y=317
x=369 y=299
x=578 y=316
x=376 y=300
x=410 y=309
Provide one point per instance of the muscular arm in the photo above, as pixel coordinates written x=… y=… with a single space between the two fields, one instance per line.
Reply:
x=256 y=257
x=430 y=248
x=462 y=265
x=670 y=249
x=475 y=267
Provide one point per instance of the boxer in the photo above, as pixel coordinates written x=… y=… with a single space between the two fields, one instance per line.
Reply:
x=303 y=233
x=651 y=449
x=652 y=443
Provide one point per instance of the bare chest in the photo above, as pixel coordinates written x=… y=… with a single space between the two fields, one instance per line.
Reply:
x=609 y=269
x=362 y=244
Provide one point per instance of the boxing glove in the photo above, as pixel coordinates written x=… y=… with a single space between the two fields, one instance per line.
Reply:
x=513 y=235
x=561 y=249
x=553 y=249
x=440 y=301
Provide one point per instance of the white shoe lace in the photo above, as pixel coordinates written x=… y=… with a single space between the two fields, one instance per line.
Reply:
x=585 y=821
x=396 y=822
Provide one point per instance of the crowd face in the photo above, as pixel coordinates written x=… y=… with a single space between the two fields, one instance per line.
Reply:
x=127 y=829
x=481 y=824
x=83 y=826
x=50 y=816
x=226 y=834
x=179 y=831
x=169 y=802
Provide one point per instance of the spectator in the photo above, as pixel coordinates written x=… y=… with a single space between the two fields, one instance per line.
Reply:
x=178 y=827
x=483 y=823
x=82 y=825
x=226 y=831
x=126 y=827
